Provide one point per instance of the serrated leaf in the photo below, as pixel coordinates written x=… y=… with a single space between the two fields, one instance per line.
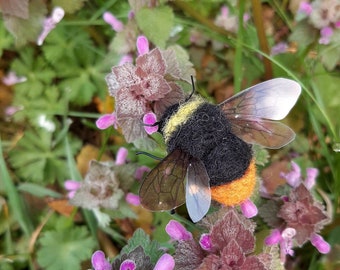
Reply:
x=261 y=155
x=65 y=249
x=140 y=238
x=36 y=159
x=156 y=24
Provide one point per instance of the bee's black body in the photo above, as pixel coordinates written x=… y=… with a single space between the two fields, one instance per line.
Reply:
x=206 y=135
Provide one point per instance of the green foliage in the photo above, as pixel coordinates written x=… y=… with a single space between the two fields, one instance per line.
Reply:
x=64 y=248
x=156 y=24
x=39 y=158
x=140 y=238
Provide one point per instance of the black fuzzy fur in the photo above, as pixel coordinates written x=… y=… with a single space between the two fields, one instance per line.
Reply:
x=207 y=136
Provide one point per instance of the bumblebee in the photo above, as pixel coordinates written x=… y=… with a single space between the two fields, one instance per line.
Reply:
x=210 y=154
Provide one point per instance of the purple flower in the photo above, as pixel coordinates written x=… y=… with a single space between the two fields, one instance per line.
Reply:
x=11 y=78
x=177 y=231
x=165 y=262
x=293 y=177
x=310 y=180
x=205 y=242
x=50 y=23
x=325 y=35
x=110 y=19
x=128 y=265
x=248 y=209
x=149 y=119
x=121 y=156
x=286 y=243
x=127 y=58
x=321 y=245
x=107 y=120
x=11 y=110
x=305 y=8
x=99 y=261
x=142 y=88
x=71 y=186
x=132 y=199
x=279 y=48
x=140 y=172
x=274 y=238
x=142 y=45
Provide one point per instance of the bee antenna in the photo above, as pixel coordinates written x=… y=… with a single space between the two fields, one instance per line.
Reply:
x=148 y=154
x=193 y=87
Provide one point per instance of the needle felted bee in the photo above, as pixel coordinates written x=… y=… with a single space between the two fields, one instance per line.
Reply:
x=210 y=146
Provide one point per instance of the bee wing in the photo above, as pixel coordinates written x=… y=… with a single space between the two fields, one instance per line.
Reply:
x=271 y=100
x=163 y=188
x=198 y=194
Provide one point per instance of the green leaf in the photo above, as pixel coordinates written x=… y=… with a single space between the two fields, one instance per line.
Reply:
x=304 y=34
x=330 y=54
x=38 y=190
x=35 y=157
x=140 y=238
x=156 y=24
x=65 y=249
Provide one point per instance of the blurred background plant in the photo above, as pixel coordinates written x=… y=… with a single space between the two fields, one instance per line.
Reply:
x=54 y=59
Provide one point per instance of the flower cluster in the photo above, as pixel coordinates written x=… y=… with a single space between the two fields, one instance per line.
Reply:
x=104 y=184
x=323 y=15
x=229 y=244
x=139 y=253
x=299 y=217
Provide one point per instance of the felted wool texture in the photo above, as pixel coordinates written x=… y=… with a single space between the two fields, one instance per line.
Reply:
x=202 y=131
x=180 y=117
x=228 y=160
x=238 y=191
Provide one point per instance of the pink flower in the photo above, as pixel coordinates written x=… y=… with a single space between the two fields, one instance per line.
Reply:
x=325 y=35
x=165 y=262
x=310 y=180
x=99 y=261
x=177 y=231
x=142 y=45
x=273 y=238
x=321 y=245
x=305 y=8
x=293 y=177
x=71 y=186
x=11 y=78
x=140 y=89
x=107 y=120
x=121 y=156
x=205 y=242
x=248 y=209
x=279 y=48
x=132 y=199
x=149 y=119
x=50 y=23
x=127 y=58
x=140 y=172
x=128 y=265
x=110 y=19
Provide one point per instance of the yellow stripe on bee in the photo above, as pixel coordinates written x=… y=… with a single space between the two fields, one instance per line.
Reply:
x=181 y=116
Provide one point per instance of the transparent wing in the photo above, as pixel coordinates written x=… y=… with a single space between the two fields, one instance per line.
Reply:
x=198 y=194
x=163 y=188
x=271 y=100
